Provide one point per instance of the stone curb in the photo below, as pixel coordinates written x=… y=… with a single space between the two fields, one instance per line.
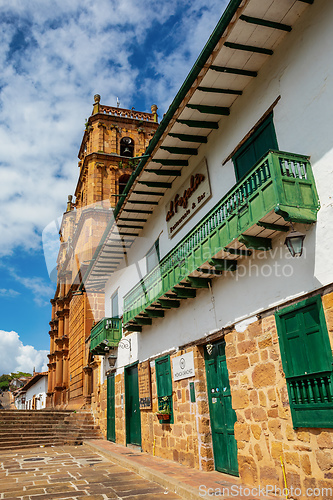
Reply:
x=183 y=490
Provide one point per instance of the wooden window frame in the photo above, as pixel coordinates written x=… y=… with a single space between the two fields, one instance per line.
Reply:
x=155 y=248
x=115 y=294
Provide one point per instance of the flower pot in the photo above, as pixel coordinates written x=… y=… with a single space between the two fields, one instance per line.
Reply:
x=163 y=416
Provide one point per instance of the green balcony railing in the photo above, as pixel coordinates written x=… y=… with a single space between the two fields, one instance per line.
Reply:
x=280 y=182
x=106 y=333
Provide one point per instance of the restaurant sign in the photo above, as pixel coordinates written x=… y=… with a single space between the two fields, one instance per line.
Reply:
x=183 y=366
x=190 y=197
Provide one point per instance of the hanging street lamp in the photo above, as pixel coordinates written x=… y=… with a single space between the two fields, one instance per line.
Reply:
x=294 y=242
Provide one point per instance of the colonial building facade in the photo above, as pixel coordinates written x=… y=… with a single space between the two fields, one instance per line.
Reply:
x=215 y=349
x=113 y=137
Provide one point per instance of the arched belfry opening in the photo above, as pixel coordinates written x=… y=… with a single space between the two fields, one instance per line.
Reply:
x=127 y=147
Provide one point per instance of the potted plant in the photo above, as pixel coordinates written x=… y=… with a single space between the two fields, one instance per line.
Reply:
x=164 y=412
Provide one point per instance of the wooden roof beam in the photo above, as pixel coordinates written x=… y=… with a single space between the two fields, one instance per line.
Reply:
x=170 y=163
x=169 y=173
x=211 y=110
x=249 y=48
x=199 y=124
x=265 y=22
x=180 y=151
x=234 y=71
x=220 y=91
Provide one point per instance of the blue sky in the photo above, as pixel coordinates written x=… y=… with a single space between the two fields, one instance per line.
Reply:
x=54 y=57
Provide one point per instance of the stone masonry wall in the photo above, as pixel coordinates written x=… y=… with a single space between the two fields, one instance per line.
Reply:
x=188 y=439
x=264 y=429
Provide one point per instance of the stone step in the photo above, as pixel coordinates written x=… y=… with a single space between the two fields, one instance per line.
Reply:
x=19 y=435
x=29 y=428
x=41 y=439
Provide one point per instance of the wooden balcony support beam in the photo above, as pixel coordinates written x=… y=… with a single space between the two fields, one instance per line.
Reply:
x=209 y=271
x=274 y=227
x=199 y=282
x=155 y=313
x=133 y=328
x=223 y=264
x=169 y=303
x=184 y=293
x=255 y=242
x=238 y=251
x=143 y=321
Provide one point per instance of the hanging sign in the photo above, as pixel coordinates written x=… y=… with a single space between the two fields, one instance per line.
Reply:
x=190 y=197
x=144 y=385
x=183 y=366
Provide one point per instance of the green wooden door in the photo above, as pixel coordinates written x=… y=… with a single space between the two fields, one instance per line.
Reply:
x=261 y=141
x=222 y=415
x=132 y=407
x=111 y=417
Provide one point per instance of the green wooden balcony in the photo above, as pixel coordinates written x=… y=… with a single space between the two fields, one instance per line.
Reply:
x=279 y=188
x=106 y=333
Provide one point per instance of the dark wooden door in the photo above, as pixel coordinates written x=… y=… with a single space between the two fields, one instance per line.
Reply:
x=111 y=417
x=132 y=407
x=222 y=415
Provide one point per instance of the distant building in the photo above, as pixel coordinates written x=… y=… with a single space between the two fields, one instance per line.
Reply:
x=32 y=396
x=16 y=383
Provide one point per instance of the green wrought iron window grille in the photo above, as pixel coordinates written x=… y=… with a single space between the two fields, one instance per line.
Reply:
x=307 y=362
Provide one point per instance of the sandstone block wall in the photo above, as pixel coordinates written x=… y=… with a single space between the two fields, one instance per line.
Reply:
x=264 y=429
x=188 y=439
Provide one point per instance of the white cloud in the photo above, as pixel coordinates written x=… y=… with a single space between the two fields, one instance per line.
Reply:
x=15 y=356
x=54 y=57
x=8 y=292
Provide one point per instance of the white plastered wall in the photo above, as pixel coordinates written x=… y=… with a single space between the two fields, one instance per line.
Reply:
x=301 y=72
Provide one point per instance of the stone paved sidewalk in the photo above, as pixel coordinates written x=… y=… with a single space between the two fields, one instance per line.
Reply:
x=71 y=472
x=190 y=484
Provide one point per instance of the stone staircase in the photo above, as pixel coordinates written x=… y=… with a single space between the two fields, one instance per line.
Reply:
x=31 y=428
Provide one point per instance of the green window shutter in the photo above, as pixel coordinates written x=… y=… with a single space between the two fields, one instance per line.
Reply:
x=163 y=377
x=256 y=146
x=164 y=384
x=307 y=362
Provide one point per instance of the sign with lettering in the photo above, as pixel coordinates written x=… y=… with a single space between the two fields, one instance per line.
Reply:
x=190 y=197
x=183 y=366
x=144 y=385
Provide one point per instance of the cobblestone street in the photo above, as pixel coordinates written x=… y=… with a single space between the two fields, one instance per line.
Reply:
x=71 y=472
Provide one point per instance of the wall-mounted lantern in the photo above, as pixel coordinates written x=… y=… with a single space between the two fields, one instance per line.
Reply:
x=294 y=242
